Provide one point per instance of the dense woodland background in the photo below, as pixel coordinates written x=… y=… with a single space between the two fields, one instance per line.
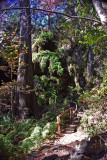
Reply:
x=52 y=57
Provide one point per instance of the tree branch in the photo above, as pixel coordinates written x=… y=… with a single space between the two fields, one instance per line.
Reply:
x=9 y=7
x=43 y=10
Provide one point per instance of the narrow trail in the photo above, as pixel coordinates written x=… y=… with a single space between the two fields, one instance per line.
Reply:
x=58 y=148
x=70 y=145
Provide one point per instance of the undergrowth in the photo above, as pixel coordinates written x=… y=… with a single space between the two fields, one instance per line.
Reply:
x=94 y=120
x=17 y=138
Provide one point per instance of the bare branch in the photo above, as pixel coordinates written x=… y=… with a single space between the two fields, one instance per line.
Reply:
x=9 y=8
x=49 y=11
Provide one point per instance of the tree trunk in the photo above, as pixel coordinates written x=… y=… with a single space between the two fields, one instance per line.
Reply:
x=48 y=22
x=89 y=74
x=101 y=13
x=26 y=98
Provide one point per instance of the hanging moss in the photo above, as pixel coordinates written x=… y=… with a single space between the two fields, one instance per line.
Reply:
x=52 y=57
x=46 y=41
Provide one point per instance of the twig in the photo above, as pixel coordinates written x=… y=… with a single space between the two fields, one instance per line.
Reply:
x=49 y=11
x=9 y=8
x=102 y=139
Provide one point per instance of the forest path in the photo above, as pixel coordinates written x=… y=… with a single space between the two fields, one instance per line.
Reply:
x=70 y=145
x=58 y=148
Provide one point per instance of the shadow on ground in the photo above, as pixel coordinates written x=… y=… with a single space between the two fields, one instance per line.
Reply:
x=93 y=149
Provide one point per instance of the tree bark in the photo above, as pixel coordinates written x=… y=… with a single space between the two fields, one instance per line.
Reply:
x=89 y=74
x=101 y=13
x=48 y=22
x=26 y=98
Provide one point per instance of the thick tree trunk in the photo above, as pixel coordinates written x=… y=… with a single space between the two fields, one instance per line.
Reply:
x=25 y=68
x=101 y=13
x=89 y=68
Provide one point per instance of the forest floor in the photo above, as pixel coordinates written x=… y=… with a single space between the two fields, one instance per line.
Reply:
x=71 y=146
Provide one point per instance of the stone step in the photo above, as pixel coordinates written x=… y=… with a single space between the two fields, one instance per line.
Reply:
x=71 y=129
x=80 y=114
x=75 y=122
x=69 y=132
x=76 y=118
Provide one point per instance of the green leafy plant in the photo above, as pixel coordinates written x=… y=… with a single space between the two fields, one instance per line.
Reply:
x=94 y=118
x=45 y=41
x=10 y=51
x=92 y=130
x=54 y=61
x=19 y=138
